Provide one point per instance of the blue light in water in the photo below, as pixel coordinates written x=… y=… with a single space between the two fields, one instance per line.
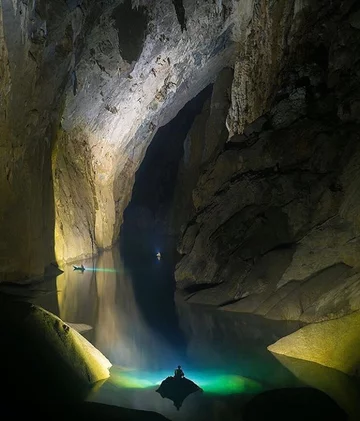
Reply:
x=109 y=270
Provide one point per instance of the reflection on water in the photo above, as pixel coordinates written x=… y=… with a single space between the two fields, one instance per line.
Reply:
x=134 y=323
x=103 y=297
x=343 y=389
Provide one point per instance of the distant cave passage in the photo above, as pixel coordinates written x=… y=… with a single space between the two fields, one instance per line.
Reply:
x=131 y=25
x=147 y=217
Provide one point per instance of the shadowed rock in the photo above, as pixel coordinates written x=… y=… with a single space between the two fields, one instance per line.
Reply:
x=177 y=390
x=90 y=411
x=43 y=359
x=293 y=404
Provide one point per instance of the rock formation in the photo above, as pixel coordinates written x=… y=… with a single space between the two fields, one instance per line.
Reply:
x=44 y=358
x=326 y=343
x=274 y=229
x=125 y=91
x=268 y=188
x=84 y=86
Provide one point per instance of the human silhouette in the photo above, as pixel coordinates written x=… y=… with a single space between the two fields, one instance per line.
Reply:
x=179 y=374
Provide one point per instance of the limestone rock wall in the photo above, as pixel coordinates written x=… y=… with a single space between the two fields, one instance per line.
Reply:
x=276 y=213
x=138 y=68
x=204 y=141
x=38 y=44
x=84 y=86
x=264 y=45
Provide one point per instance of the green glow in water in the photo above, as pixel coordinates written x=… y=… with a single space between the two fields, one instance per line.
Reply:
x=227 y=384
x=216 y=383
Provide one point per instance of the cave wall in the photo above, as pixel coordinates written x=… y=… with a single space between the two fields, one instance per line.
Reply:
x=84 y=86
x=38 y=41
x=275 y=228
x=131 y=79
x=206 y=138
x=94 y=81
x=148 y=219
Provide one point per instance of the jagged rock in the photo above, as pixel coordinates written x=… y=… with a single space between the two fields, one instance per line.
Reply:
x=277 y=210
x=332 y=343
x=204 y=141
x=257 y=68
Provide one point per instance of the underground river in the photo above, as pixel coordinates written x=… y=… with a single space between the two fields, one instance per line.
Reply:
x=124 y=304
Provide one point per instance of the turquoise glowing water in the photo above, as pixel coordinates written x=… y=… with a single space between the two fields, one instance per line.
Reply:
x=137 y=325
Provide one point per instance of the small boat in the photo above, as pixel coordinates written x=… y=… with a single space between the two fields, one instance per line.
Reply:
x=79 y=268
x=177 y=389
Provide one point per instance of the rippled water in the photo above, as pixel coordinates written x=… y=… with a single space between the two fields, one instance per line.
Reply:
x=130 y=315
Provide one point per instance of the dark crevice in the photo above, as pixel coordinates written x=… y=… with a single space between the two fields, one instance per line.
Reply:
x=192 y=289
x=131 y=25
x=232 y=301
x=148 y=217
x=180 y=13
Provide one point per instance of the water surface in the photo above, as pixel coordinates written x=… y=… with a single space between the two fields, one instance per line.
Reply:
x=129 y=309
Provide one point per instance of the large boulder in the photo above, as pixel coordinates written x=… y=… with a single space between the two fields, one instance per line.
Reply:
x=333 y=343
x=43 y=358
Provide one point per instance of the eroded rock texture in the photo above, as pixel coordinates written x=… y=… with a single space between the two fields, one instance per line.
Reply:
x=84 y=86
x=40 y=44
x=275 y=227
x=138 y=68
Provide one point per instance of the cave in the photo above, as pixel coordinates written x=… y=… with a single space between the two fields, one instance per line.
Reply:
x=180 y=188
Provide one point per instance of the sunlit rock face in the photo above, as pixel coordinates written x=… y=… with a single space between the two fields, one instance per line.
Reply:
x=275 y=227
